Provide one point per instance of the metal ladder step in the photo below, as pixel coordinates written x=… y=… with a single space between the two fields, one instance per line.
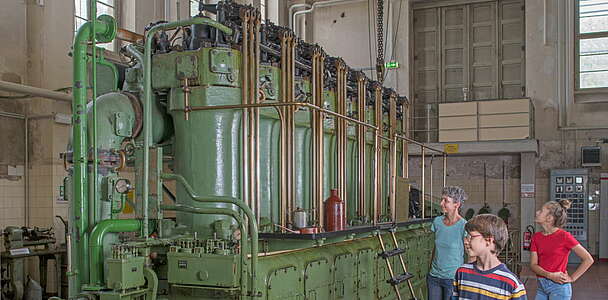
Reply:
x=396 y=280
x=391 y=253
x=400 y=278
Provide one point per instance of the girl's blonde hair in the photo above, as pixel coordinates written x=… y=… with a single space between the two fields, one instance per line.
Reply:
x=558 y=209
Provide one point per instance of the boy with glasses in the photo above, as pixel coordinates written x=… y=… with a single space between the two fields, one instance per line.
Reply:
x=487 y=278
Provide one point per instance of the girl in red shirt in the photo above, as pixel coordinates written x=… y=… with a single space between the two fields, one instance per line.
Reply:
x=549 y=253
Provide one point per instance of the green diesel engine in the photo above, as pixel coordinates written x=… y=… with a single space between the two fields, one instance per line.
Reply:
x=202 y=168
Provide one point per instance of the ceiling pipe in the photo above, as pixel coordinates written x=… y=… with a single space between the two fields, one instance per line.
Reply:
x=310 y=8
x=34 y=91
x=291 y=12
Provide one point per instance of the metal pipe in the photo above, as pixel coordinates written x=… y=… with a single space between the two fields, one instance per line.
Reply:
x=147 y=66
x=378 y=149
x=12 y=115
x=104 y=29
x=361 y=141
x=422 y=196
x=229 y=200
x=393 y=156
x=26 y=171
x=405 y=144
x=34 y=91
x=445 y=169
x=431 y=183
x=318 y=135
x=96 y=245
x=93 y=205
x=419 y=144
x=152 y=280
x=291 y=9
x=216 y=211
x=303 y=104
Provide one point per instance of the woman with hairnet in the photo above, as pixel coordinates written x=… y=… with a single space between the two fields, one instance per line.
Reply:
x=448 y=254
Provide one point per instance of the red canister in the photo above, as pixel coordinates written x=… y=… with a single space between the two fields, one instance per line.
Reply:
x=335 y=219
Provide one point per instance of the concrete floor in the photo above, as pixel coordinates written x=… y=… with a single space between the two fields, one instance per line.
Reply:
x=592 y=286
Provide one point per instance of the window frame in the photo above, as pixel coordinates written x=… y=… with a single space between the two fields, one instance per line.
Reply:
x=116 y=7
x=577 y=38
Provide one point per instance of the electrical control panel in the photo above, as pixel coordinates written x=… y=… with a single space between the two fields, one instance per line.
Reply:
x=573 y=184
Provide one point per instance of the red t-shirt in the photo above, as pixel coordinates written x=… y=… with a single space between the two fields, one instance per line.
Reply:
x=553 y=249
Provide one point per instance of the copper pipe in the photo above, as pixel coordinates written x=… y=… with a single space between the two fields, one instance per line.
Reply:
x=255 y=98
x=387 y=139
x=296 y=104
x=319 y=133
x=245 y=101
x=128 y=36
x=419 y=144
x=378 y=148
x=405 y=144
x=290 y=125
x=341 y=130
x=292 y=76
x=187 y=109
x=121 y=165
x=283 y=160
x=393 y=155
x=361 y=101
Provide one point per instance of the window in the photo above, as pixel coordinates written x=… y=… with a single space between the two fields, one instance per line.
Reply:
x=193 y=8
x=591 y=44
x=82 y=14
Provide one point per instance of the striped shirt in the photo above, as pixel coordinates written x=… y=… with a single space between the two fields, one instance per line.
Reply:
x=495 y=284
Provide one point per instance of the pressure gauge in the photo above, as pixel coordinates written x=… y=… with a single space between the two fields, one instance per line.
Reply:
x=122 y=186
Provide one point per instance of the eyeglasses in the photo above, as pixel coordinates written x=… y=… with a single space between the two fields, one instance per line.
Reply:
x=470 y=236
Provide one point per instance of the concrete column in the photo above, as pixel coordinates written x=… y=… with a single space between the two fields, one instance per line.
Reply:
x=528 y=204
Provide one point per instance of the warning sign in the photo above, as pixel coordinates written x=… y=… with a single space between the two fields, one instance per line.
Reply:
x=450 y=148
x=527 y=190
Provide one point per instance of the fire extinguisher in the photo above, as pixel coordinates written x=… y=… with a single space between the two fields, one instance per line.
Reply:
x=528 y=237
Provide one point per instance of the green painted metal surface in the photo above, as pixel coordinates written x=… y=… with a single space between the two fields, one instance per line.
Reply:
x=219 y=259
x=203 y=269
x=125 y=273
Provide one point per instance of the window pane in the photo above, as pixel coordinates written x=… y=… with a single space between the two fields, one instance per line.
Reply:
x=108 y=2
x=593 y=15
x=80 y=8
x=108 y=46
x=193 y=7
x=593 y=46
x=103 y=9
x=593 y=80
x=594 y=63
x=78 y=22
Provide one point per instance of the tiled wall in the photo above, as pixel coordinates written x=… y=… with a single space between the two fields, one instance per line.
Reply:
x=12 y=203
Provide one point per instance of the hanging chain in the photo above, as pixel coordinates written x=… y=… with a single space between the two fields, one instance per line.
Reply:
x=380 y=33
x=380 y=29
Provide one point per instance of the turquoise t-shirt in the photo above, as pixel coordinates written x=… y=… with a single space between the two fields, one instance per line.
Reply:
x=449 y=248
